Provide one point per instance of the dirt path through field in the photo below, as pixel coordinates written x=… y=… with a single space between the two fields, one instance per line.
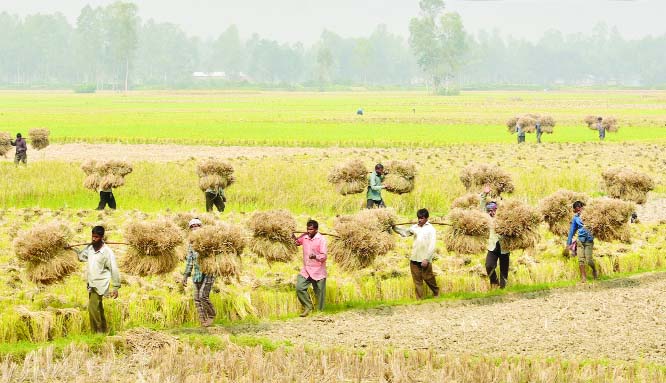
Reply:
x=623 y=319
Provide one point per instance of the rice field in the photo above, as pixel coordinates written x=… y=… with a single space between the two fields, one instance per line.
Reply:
x=45 y=328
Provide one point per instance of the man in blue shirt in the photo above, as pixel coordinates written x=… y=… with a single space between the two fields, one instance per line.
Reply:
x=601 y=129
x=584 y=244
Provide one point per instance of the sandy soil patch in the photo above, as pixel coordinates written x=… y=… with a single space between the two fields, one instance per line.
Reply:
x=622 y=320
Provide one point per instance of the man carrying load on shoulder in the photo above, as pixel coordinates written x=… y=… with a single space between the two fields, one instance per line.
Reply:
x=584 y=245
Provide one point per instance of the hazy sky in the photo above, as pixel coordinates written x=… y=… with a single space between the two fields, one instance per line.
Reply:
x=303 y=20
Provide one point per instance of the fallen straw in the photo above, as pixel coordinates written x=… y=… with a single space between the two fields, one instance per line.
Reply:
x=305 y=232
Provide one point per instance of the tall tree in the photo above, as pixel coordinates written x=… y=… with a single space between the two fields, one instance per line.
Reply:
x=122 y=23
x=228 y=52
x=439 y=43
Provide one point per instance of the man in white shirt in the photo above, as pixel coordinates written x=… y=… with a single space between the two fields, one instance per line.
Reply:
x=423 y=251
x=103 y=277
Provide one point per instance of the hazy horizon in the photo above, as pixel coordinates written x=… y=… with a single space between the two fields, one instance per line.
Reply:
x=304 y=20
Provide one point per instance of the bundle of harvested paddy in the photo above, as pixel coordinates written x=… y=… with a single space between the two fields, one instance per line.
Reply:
x=591 y=121
x=219 y=249
x=511 y=124
x=557 y=210
x=517 y=224
x=215 y=174
x=627 y=184
x=475 y=176
x=115 y=167
x=527 y=123
x=42 y=249
x=39 y=138
x=400 y=177
x=152 y=247
x=547 y=124
x=468 y=201
x=361 y=239
x=105 y=175
x=386 y=218
x=271 y=235
x=350 y=177
x=610 y=124
x=182 y=220
x=5 y=143
x=607 y=219
x=468 y=233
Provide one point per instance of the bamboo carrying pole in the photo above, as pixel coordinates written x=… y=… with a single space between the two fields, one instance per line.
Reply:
x=305 y=232
x=88 y=243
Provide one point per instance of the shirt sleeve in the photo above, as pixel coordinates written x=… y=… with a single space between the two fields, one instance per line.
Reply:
x=375 y=182
x=403 y=232
x=484 y=199
x=189 y=264
x=83 y=254
x=322 y=254
x=115 y=273
x=299 y=240
x=432 y=242
x=572 y=230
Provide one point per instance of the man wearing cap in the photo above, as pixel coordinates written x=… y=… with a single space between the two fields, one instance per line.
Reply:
x=495 y=252
x=21 y=150
x=203 y=283
x=374 y=195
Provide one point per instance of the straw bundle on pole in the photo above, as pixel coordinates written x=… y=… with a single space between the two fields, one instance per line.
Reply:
x=468 y=201
x=361 y=239
x=105 y=175
x=42 y=249
x=475 y=176
x=627 y=184
x=400 y=177
x=182 y=220
x=547 y=124
x=607 y=219
x=350 y=177
x=272 y=235
x=215 y=174
x=39 y=138
x=610 y=124
x=557 y=210
x=5 y=143
x=469 y=231
x=219 y=249
x=591 y=121
x=153 y=247
x=517 y=224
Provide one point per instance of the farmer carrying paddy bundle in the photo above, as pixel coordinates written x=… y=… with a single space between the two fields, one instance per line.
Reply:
x=520 y=133
x=313 y=271
x=374 y=195
x=601 y=129
x=103 y=277
x=584 y=245
x=495 y=252
x=423 y=250
x=539 y=131
x=215 y=197
x=203 y=283
x=21 y=150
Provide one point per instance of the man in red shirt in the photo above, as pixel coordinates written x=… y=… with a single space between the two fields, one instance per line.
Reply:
x=314 y=268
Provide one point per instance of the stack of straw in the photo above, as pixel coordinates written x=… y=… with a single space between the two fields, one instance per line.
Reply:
x=557 y=210
x=608 y=123
x=627 y=184
x=272 y=235
x=350 y=177
x=400 y=177
x=517 y=224
x=361 y=238
x=476 y=176
x=607 y=219
x=528 y=123
x=153 y=247
x=219 y=248
x=39 y=138
x=42 y=248
x=468 y=201
x=5 y=143
x=469 y=231
x=215 y=174
x=105 y=175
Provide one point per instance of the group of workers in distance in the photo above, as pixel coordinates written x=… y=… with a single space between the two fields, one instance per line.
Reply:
x=520 y=132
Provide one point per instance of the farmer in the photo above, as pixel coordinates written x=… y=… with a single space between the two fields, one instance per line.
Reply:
x=584 y=245
x=539 y=132
x=106 y=198
x=600 y=128
x=495 y=252
x=423 y=251
x=374 y=195
x=215 y=196
x=21 y=150
x=103 y=277
x=203 y=283
x=520 y=132
x=313 y=271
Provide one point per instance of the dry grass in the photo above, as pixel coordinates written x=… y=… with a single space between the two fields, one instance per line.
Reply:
x=42 y=249
x=39 y=138
x=627 y=184
x=476 y=176
x=152 y=247
x=219 y=248
x=518 y=225
x=5 y=143
x=557 y=210
x=400 y=177
x=272 y=235
x=468 y=201
x=362 y=238
x=214 y=174
x=106 y=174
x=607 y=219
x=468 y=233
x=528 y=123
x=350 y=177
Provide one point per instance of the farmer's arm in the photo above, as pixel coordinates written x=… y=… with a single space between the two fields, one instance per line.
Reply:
x=321 y=255
x=83 y=254
x=572 y=230
x=432 y=242
x=115 y=274
x=375 y=183
x=189 y=265
x=403 y=232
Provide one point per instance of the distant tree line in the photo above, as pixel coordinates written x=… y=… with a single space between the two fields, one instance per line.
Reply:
x=110 y=47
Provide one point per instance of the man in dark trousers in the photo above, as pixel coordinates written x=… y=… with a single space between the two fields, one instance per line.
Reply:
x=495 y=252
x=600 y=128
x=539 y=132
x=215 y=197
x=374 y=194
x=313 y=271
x=21 y=150
x=106 y=198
